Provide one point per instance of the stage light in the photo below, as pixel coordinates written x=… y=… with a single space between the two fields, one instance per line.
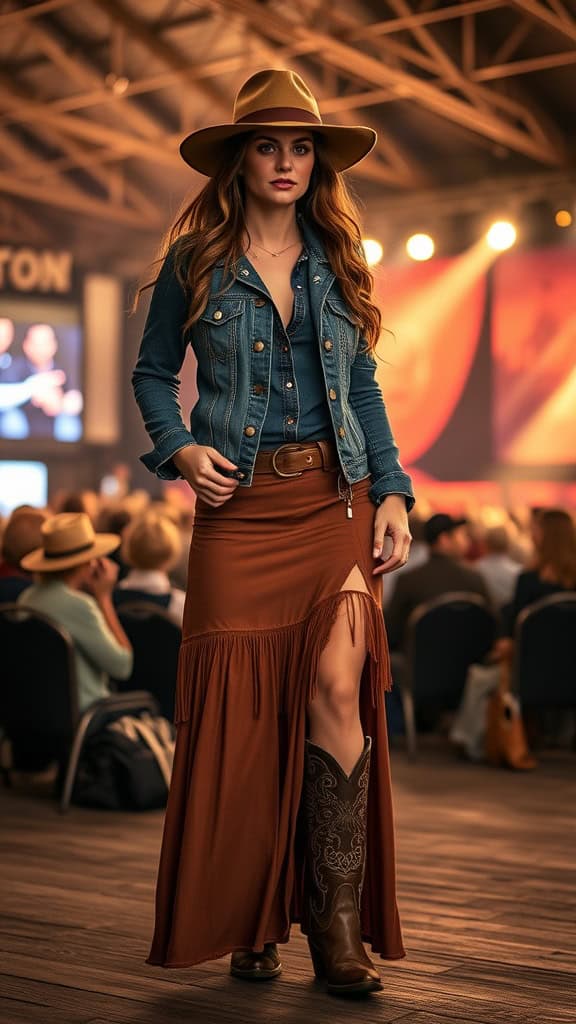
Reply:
x=420 y=247
x=563 y=218
x=501 y=235
x=373 y=251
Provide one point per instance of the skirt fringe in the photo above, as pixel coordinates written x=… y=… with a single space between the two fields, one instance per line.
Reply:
x=276 y=647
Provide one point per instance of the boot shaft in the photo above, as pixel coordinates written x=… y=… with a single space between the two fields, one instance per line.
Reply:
x=335 y=809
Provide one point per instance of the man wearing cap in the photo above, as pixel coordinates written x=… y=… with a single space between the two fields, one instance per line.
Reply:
x=447 y=539
x=70 y=561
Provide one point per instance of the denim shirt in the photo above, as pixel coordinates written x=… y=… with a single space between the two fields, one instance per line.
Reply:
x=233 y=343
x=297 y=406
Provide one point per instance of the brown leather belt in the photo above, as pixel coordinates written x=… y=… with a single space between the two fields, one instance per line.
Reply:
x=292 y=458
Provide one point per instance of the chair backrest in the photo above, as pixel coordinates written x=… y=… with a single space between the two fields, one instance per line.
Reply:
x=155 y=639
x=38 y=691
x=544 y=666
x=444 y=637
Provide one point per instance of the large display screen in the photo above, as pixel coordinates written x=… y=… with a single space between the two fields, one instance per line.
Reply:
x=41 y=393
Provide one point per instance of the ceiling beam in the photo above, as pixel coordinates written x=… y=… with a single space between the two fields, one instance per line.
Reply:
x=76 y=202
x=160 y=48
x=522 y=67
x=566 y=25
x=417 y=18
x=539 y=146
x=23 y=15
x=29 y=165
x=80 y=70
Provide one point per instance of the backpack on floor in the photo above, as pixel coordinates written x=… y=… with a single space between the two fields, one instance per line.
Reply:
x=127 y=765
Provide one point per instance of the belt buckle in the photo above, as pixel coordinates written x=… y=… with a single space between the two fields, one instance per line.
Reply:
x=275 y=467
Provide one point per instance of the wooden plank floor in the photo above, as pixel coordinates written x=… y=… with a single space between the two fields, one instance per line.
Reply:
x=487 y=894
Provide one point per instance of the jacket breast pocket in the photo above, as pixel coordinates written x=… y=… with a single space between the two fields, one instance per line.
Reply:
x=221 y=324
x=346 y=326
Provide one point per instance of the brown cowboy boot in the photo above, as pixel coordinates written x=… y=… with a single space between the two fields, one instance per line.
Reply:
x=245 y=963
x=335 y=808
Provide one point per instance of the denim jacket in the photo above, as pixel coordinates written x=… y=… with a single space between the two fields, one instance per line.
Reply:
x=232 y=342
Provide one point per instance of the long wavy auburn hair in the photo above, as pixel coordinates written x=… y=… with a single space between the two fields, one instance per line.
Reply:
x=211 y=229
x=556 y=547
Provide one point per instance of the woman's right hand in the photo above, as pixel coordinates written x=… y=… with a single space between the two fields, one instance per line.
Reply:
x=198 y=464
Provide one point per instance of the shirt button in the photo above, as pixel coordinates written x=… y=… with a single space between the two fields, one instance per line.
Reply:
x=284 y=348
x=341 y=432
x=240 y=475
x=258 y=346
x=332 y=394
x=218 y=314
x=316 y=278
x=289 y=384
x=299 y=286
x=249 y=431
x=290 y=419
x=258 y=389
x=245 y=273
x=259 y=302
x=328 y=345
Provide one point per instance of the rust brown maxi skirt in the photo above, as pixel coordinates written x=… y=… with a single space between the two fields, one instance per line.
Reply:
x=264 y=587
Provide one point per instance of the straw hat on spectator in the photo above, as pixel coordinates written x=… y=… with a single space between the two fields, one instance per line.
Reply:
x=68 y=539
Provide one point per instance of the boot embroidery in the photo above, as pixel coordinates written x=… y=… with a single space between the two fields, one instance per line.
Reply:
x=336 y=828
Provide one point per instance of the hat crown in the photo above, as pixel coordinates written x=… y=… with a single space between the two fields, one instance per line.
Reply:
x=275 y=89
x=66 y=533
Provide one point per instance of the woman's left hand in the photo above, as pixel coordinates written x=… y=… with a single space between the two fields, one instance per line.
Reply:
x=391 y=519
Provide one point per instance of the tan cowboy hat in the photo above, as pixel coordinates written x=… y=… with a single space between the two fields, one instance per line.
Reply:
x=68 y=540
x=281 y=99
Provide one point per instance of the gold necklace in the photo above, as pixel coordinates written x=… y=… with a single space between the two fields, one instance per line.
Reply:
x=269 y=251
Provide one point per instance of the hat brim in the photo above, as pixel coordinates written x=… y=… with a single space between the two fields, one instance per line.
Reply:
x=344 y=145
x=103 y=544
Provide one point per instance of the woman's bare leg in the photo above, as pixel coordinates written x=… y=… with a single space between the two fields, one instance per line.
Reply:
x=334 y=715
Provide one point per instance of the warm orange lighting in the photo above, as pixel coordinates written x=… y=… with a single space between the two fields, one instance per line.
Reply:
x=563 y=218
x=373 y=251
x=420 y=247
x=501 y=235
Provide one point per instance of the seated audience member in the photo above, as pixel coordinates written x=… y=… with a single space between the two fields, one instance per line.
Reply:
x=21 y=535
x=554 y=563
x=151 y=547
x=499 y=570
x=72 y=560
x=115 y=519
x=443 y=572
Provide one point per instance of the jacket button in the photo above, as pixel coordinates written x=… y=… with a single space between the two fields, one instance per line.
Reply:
x=289 y=384
x=328 y=345
x=259 y=389
x=332 y=394
x=258 y=346
x=218 y=314
x=249 y=431
x=341 y=432
x=316 y=279
x=245 y=273
x=240 y=475
x=259 y=302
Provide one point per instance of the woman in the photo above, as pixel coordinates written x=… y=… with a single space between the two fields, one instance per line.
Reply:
x=284 y=659
x=151 y=546
x=554 y=568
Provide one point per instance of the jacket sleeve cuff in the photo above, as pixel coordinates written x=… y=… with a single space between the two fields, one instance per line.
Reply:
x=159 y=460
x=392 y=483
